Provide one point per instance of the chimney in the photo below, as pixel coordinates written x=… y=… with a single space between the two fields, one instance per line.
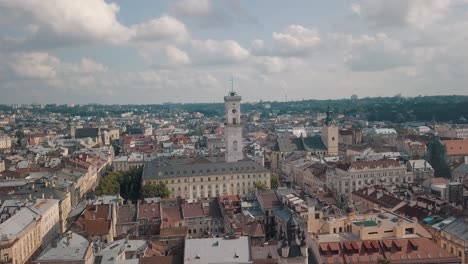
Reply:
x=285 y=249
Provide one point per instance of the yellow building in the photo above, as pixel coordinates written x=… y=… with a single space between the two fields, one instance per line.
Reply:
x=205 y=178
x=374 y=226
x=20 y=236
x=453 y=237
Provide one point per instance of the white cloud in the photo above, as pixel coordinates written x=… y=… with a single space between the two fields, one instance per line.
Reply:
x=296 y=40
x=34 y=65
x=177 y=56
x=269 y=64
x=86 y=65
x=213 y=51
x=163 y=29
x=375 y=53
x=415 y=13
x=80 y=21
x=257 y=44
x=356 y=9
x=194 y=8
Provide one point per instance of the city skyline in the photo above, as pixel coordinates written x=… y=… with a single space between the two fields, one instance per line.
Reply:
x=186 y=51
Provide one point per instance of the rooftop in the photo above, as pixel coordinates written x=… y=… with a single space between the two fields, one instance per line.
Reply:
x=155 y=170
x=217 y=250
x=70 y=247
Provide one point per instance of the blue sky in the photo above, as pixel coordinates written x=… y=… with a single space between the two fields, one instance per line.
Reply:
x=149 y=51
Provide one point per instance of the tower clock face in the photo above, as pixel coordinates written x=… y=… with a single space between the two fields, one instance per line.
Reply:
x=234 y=111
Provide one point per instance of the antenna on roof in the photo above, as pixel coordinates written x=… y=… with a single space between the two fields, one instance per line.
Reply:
x=232 y=83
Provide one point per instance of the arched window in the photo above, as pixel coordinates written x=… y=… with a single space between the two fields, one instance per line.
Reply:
x=234 y=145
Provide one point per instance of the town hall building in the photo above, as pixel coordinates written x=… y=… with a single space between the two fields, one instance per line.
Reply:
x=210 y=177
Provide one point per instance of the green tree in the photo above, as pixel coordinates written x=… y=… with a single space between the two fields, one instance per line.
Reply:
x=153 y=189
x=437 y=157
x=110 y=184
x=274 y=181
x=19 y=135
x=260 y=186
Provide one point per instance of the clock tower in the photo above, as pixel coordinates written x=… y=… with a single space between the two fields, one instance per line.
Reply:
x=233 y=128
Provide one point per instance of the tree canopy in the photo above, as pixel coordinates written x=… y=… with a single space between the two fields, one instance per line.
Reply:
x=153 y=189
x=437 y=157
x=274 y=181
x=260 y=186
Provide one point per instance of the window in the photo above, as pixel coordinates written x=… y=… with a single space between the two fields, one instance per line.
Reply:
x=234 y=121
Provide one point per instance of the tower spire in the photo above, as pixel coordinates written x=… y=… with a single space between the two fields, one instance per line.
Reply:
x=232 y=83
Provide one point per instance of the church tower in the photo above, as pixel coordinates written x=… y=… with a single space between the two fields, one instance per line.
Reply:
x=233 y=128
x=330 y=134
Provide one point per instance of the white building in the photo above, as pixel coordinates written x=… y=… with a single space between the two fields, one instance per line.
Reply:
x=456 y=133
x=5 y=142
x=348 y=177
x=233 y=127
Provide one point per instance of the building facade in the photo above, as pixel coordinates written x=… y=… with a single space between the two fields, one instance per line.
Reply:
x=348 y=177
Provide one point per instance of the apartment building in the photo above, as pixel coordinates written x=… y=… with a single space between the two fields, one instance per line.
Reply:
x=5 y=142
x=345 y=178
x=20 y=236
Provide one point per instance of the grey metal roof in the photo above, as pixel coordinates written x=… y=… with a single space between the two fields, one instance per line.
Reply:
x=86 y=132
x=66 y=250
x=156 y=170
x=458 y=228
x=217 y=250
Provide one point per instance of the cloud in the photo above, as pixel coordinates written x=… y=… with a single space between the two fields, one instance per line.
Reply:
x=213 y=51
x=198 y=9
x=375 y=53
x=205 y=13
x=177 y=56
x=415 y=13
x=53 y=24
x=296 y=40
x=269 y=64
x=34 y=65
x=74 y=21
x=163 y=29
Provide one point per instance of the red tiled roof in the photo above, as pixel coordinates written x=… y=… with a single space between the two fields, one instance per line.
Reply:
x=456 y=147
x=192 y=210
x=148 y=211
x=97 y=227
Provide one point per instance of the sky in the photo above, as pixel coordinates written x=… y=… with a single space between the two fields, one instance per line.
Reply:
x=147 y=51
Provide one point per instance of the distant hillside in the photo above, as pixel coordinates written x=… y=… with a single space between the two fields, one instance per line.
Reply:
x=395 y=109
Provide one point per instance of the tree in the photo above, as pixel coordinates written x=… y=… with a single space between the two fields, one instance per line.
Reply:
x=437 y=157
x=274 y=181
x=19 y=135
x=260 y=186
x=110 y=184
x=152 y=189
